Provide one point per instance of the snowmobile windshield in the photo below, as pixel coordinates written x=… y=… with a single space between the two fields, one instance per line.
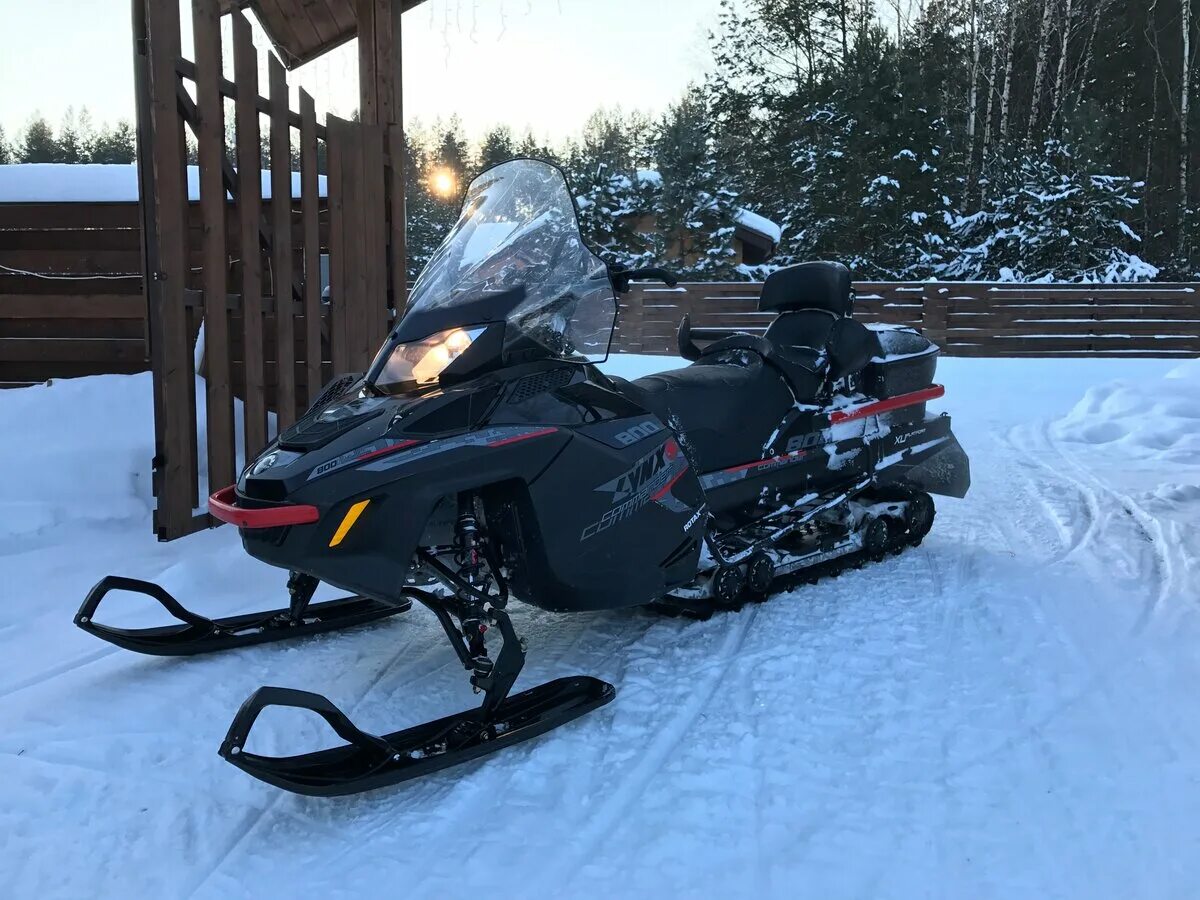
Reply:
x=518 y=229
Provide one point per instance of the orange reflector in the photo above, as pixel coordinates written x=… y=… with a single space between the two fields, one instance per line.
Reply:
x=347 y=523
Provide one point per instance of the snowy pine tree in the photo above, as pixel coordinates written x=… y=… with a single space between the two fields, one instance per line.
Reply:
x=698 y=205
x=1051 y=218
x=38 y=144
x=907 y=213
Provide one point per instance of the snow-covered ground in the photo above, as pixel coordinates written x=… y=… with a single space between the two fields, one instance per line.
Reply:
x=1008 y=711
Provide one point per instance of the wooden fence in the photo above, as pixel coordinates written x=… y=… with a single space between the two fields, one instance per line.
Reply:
x=81 y=307
x=83 y=313
x=966 y=319
x=252 y=272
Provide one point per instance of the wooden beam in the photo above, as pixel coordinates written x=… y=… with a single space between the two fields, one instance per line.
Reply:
x=249 y=202
x=368 y=72
x=281 y=214
x=187 y=69
x=312 y=244
x=338 y=279
x=210 y=138
x=175 y=456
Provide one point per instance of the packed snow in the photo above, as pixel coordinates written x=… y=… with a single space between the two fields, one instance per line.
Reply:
x=98 y=183
x=1007 y=711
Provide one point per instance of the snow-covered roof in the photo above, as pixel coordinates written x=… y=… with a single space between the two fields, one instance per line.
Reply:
x=98 y=183
x=760 y=224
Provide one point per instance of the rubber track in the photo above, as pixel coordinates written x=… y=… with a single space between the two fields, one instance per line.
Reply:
x=703 y=609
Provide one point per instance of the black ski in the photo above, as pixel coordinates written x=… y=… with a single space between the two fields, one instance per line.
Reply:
x=367 y=762
x=197 y=634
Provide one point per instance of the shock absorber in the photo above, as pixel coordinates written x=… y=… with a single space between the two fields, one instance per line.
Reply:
x=471 y=563
x=466 y=535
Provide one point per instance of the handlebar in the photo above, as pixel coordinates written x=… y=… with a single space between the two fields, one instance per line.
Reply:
x=622 y=279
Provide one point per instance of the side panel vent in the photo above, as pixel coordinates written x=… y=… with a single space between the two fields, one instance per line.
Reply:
x=540 y=383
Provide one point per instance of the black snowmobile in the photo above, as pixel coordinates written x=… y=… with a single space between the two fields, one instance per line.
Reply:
x=484 y=456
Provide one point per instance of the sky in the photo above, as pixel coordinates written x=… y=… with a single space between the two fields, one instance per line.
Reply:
x=542 y=64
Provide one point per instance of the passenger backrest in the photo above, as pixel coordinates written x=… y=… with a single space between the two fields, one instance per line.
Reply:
x=802 y=328
x=851 y=346
x=810 y=285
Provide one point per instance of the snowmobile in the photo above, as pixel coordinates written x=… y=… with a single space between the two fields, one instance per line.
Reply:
x=484 y=457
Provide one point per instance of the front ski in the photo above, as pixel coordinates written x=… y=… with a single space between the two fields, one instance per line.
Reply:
x=197 y=634
x=366 y=762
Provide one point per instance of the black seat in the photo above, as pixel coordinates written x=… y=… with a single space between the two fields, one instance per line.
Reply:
x=725 y=412
x=815 y=302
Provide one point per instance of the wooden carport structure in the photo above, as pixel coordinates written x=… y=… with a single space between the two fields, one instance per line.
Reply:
x=270 y=338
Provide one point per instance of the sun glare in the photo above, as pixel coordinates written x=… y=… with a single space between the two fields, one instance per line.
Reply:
x=443 y=183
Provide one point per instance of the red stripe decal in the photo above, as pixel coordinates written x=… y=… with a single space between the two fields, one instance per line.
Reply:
x=882 y=406
x=222 y=505
x=762 y=462
x=384 y=451
x=522 y=437
x=662 y=491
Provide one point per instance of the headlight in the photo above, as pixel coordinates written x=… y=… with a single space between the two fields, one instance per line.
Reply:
x=421 y=362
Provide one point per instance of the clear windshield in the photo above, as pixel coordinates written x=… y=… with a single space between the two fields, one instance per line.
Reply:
x=518 y=227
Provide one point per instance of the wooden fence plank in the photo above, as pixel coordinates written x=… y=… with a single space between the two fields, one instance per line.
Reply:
x=75 y=262
x=130 y=350
x=373 y=311
x=281 y=257
x=82 y=240
x=169 y=326
x=72 y=329
x=312 y=245
x=354 y=271
x=338 y=277
x=211 y=156
x=70 y=215
x=398 y=159
x=249 y=207
x=1171 y=328
x=72 y=306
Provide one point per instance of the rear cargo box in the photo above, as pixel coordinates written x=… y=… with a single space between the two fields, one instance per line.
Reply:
x=908 y=363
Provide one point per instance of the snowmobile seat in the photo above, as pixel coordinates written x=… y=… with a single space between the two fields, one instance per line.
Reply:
x=814 y=302
x=725 y=411
x=841 y=345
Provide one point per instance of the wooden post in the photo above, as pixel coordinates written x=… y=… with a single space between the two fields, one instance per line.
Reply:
x=176 y=456
x=374 y=259
x=354 y=271
x=933 y=315
x=210 y=139
x=335 y=130
x=281 y=257
x=249 y=202
x=309 y=203
x=368 y=73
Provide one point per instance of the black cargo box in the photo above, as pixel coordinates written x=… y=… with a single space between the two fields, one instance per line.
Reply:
x=908 y=363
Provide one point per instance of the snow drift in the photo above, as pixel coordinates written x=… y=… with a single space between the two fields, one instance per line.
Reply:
x=1157 y=419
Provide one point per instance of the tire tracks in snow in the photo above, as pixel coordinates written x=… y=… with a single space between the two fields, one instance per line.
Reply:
x=1095 y=490
x=660 y=748
x=56 y=671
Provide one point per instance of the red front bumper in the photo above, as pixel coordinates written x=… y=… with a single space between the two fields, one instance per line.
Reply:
x=222 y=505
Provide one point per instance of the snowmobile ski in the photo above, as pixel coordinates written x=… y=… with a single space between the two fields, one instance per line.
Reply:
x=367 y=761
x=197 y=634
